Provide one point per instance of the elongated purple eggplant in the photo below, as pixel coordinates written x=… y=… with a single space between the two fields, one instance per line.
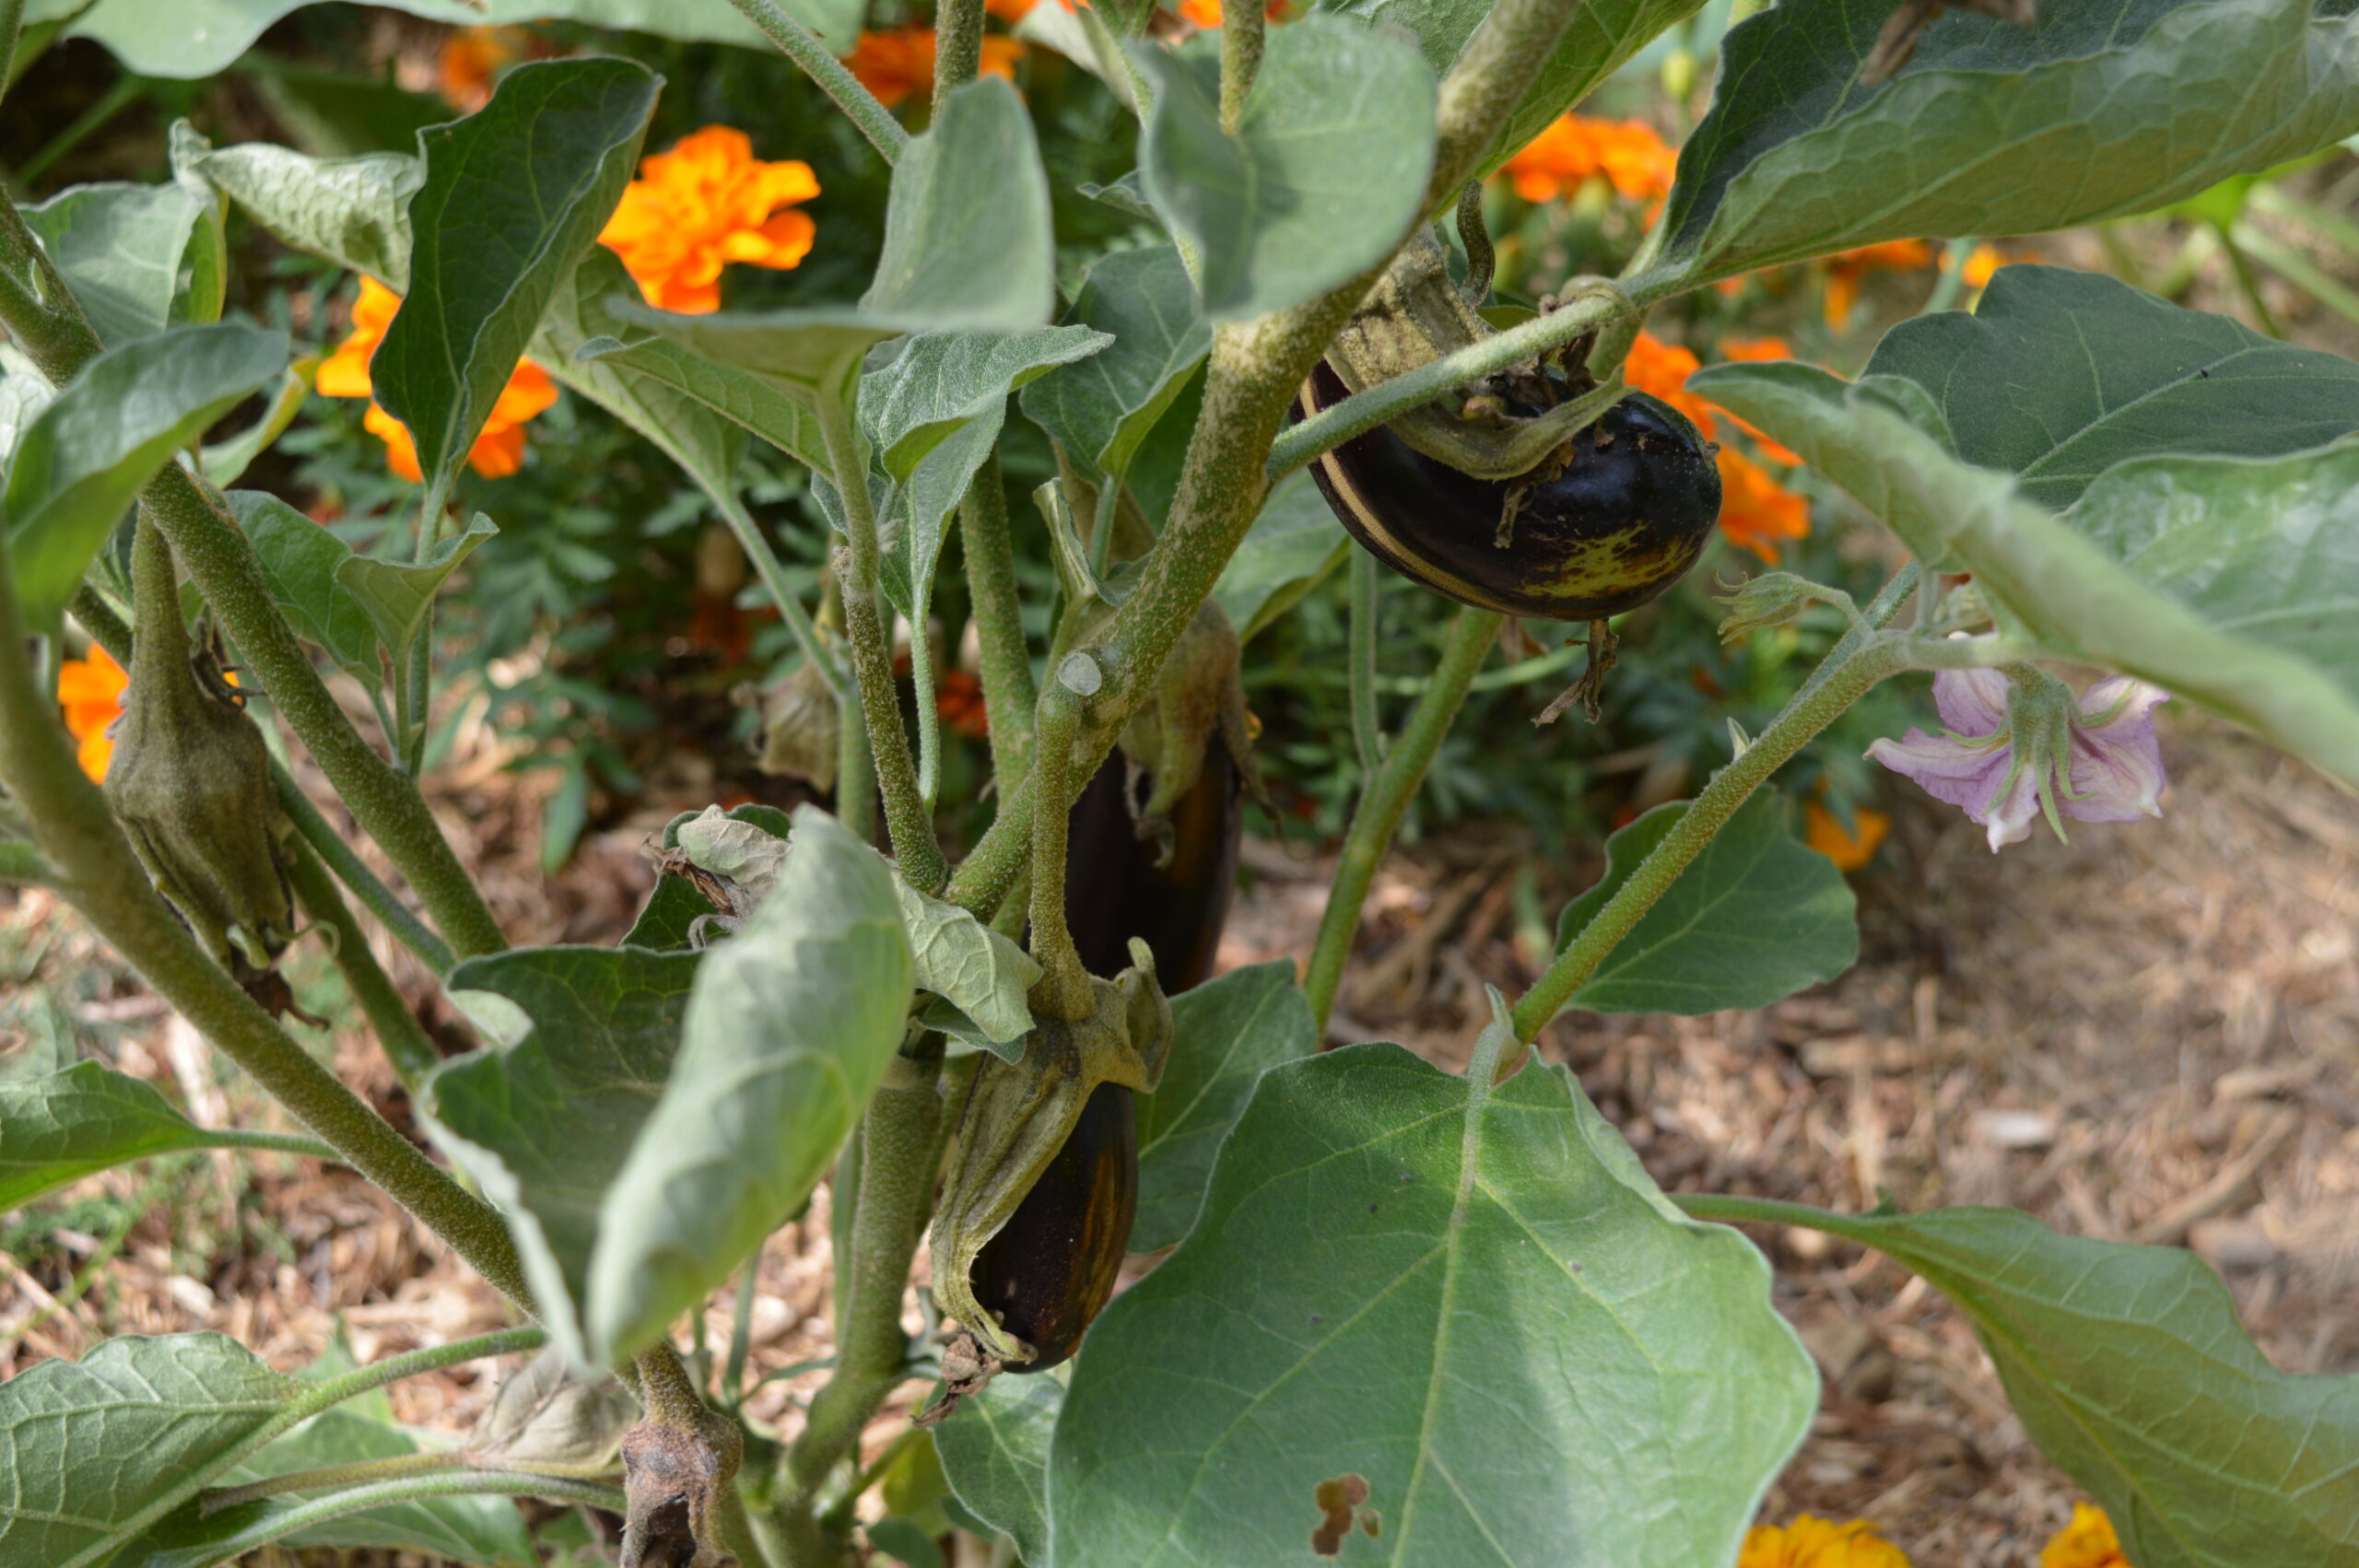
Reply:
x=1117 y=887
x=1052 y=1266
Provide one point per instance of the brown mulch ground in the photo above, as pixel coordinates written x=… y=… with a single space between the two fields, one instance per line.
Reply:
x=2151 y=1034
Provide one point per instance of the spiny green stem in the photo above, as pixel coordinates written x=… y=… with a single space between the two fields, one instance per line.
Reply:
x=12 y=22
x=773 y=572
x=1385 y=801
x=99 y=876
x=1242 y=33
x=445 y=1483
x=901 y=1149
x=1009 y=693
x=314 y=830
x=1368 y=729
x=1063 y=990
x=397 y=1028
x=1728 y=789
x=323 y=1477
x=906 y=818
x=802 y=46
x=957 y=47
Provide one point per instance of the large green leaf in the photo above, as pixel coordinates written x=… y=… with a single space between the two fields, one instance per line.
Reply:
x=2106 y=107
x=486 y=1531
x=86 y=454
x=1472 y=1298
x=791 y=1023
x=300 y=562
x=354 y=211
x=199 y=38
x=2236 y=594
x=975 y=969
x=126 y=252
x=1325 y=174
x=1293 y=543
x=67 y=1126
x=1603 y=38
x=545 y=1124
x=1101 y=409
x=2132 y=1373
x=994 y=1451
x=919 y=392
x=2057 y=375
x=1753 y=918
x=968 y=247
x=512 y=196
x=396 y=595
x=93 y=1452
x=24 y=392
x=1227 y=1032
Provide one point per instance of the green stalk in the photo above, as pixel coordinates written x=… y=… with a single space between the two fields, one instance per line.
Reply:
x=773 y=572
x=20 y=862
x=802 y=45
x=900 y=1136
x=99 y=875
x=1385 y=799
x=1009 y=693
x=325 y=1476
x=444 y=1482
x=1242 y=26
x=906 y=818
x=1729 y=787
x=1254 y=369
x=315 y=830
x=2241 y=265
x=957 y=48
x=1063 y=990
x=397 y=1028
x=39 y=310
x=1367 y=727
x=12 y=23
x=2298 y=269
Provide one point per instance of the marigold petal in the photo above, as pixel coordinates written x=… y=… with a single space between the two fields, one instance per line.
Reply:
x=97 y=681
x=95 y=752
x=1756 y=510
x=2087 y=1542
x=497 y=452
x=401 y=453
x=1849 y=849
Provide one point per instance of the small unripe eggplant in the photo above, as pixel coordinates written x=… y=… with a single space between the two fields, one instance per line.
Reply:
x=1052 y=1266
x=1625 y=517
x=1117 y=887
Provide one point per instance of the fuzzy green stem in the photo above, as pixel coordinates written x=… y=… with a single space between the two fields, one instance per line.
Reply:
x=12 y=22
x=100 y=875
x=320 y=1479
x=20 y=862
x=741 y=1332
x=1009 y=693
x=1367 y=728
x=315 y=830
x=1730 y=789
x=1254 y=370
x=665 y=1389
x=906 y=818
x=1386 y=800
x=1730 y=1210
x=772 y=571
x=1063 y=990
x=444 y=1480
x=957 y=48
x=804 y=47
x=1243 y=24
x=900 y=1137
x=2249 y=283
x=1481 y=261
x=397 y=1028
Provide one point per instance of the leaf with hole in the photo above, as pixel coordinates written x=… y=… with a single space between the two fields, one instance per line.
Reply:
x=1323 y=178
x=513 y=197
x=1472 y=1299
x=1753 y=918
x=83 y=457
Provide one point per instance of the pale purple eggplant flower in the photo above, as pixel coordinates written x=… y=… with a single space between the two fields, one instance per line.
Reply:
x=2016 y=749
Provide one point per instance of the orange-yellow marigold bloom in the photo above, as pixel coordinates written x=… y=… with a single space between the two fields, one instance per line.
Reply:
x=2087 y=1542
x=472 y=61
x=499 y=449
x=1811 y=1542
x=703 y=204
x=897 y=63
x=1755 y=349
x=1660 y=371
x=90 y=691
x=1844 y=272
x=1629 y=154
x=1848 y=849
x=1980 y=263
x=1207 y=13
x=1756 y=510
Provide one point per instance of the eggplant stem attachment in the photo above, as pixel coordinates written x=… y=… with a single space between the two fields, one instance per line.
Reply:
x=1586 y=691
x=1481 y=259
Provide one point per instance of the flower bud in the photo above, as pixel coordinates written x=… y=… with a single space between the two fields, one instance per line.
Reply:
x=800 y=729
x=1770 y=600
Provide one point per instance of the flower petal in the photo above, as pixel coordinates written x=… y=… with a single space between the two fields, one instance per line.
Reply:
x=1972 y=702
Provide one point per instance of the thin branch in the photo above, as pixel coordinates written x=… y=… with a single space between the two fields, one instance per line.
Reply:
x=802 y=46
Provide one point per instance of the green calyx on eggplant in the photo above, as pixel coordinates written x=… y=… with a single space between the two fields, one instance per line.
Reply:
x=1154 y=837
x=1036 y=1211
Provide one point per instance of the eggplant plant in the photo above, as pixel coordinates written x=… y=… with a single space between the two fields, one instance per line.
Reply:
x=1406 y=1314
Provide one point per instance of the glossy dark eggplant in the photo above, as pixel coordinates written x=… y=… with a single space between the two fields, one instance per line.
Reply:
x=1626 y=518
x=1115 y=890
x=1052 y=1266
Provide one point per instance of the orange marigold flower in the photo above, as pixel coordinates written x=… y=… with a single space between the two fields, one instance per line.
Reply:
x=1207 y=13
x=1010 y=11
x=895 y=64
x=1755 y=348
x=1811 y=1542
x=1848 y=849
x=959 y=699
x=706 y=203
x=499 y=449
x=1756 y=510
x=1628 y=154
x=2087 y=1542
x=1981 y=263
x=90 y=691
x=473 y=59
x=1660 y=371
x=1844 y=272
